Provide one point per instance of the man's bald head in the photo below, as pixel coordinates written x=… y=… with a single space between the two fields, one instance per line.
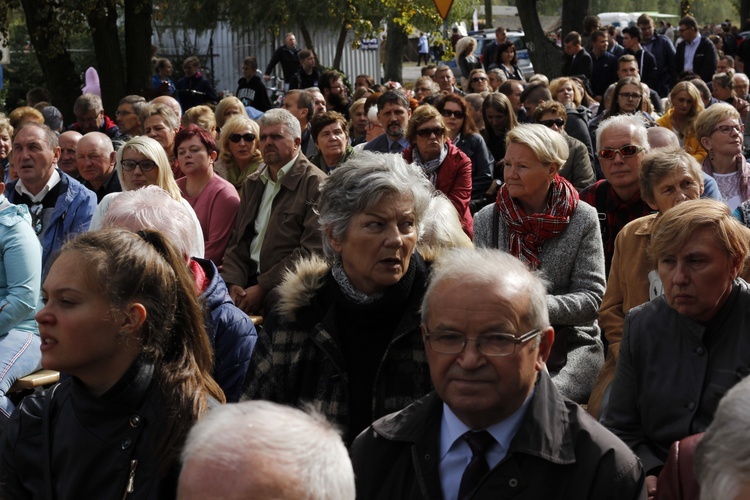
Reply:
x=169 y=101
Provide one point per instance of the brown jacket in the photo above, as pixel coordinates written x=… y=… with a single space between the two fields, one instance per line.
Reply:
x=292 y=231
x=627 y=287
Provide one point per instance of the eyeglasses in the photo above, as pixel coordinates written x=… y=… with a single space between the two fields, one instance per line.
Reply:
x=625 y=152
x=559 y=122
x=728 y=129
x=448 y=113
x=629 y=96
x=683 y=29
x=145 y=165
x=489 y=344
x=248 y=137
x=479 y=79
x=427 y=132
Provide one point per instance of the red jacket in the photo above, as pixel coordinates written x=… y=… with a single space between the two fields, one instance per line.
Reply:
x=454 y=181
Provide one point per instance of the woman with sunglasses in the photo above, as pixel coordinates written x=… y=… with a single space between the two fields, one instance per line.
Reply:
x=240 y=150
x=478 y=82
x=719 y=130
x=214 y=200
x=142 y=162
x=462 y=132
x=686 y=106
x=507 y=61
x=577 y=168
x=539 y=218
x=446 y=166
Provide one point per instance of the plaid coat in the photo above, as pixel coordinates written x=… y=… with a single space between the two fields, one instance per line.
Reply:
x=297 y=359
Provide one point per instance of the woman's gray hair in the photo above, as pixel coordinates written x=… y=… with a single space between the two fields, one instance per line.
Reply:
x=280 y=116
x=546 y=144
x=441 y=227
x=485 y=266
x=153 y=208
x=661 y=162
x=722 y=458
x=361 y=183
x=305 y=452
x=166 y=112
x=636 y=123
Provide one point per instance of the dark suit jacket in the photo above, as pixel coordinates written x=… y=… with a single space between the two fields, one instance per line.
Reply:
x=379 y=144
x=582 y=64
x=704 y=61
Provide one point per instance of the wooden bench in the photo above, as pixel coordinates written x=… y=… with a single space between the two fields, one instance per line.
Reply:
x=257 y=320
x=33 y=380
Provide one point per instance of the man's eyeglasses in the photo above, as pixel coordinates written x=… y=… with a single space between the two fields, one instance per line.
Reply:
x=559 y=122
x=489 y=344
x=448 y=113
x=625 y=151
x=728 y=129
x=427 y=132
x=145 y=165
x=248 y=137
x=629 y=96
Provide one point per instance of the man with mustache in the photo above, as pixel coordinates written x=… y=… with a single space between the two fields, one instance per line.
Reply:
x=393 y=115
x=276 y=221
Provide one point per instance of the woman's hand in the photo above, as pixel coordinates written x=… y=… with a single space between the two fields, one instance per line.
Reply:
x=250 y=299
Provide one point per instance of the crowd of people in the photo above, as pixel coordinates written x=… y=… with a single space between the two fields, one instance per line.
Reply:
x=450 y=280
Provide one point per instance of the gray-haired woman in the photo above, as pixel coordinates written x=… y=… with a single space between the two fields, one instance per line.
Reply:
x=345 y=333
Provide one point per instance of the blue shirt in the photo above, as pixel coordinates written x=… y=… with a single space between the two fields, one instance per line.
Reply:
x=690 y=48
x=455 y=453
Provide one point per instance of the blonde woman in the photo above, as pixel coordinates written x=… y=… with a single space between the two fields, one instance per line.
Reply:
x=686 y=105
x=239 y=147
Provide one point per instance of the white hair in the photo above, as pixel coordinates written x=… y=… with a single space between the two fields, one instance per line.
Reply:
x=301 y=449
x=722 y=458
x=636 y=123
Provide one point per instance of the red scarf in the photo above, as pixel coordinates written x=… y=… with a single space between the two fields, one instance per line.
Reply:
x=527 y=233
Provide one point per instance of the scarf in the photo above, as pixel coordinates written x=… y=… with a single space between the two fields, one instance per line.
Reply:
x=337 y=270
x=431 y=167
x=527 y=233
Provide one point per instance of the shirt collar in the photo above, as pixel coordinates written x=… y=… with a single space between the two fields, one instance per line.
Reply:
x=265 y=178
x=51 y=182
x=503 y=432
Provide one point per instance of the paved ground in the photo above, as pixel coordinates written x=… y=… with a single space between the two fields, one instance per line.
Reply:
x=410 y=72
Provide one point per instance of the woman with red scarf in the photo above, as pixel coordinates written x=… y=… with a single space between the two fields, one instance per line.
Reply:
x=538 y=218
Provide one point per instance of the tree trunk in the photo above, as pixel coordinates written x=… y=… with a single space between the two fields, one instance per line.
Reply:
x=49 y=43
x=573 y=12
x=307 y=37
x=544 y=54
x=340 y=43
x=138 y=45
x=744 y=11
x=488 y=20
x=103 y=23
x=395 y=46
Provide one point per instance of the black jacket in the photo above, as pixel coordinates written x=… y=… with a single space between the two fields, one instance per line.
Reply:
x=253 y=93
x=704 y=61
x=559 y=452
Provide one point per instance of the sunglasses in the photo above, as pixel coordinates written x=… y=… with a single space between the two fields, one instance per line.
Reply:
x=479 y=79
x=448 y=113
x=625 y=152
x=427 y=132
x=238 y=137
x=550 y=123
x=145 y=165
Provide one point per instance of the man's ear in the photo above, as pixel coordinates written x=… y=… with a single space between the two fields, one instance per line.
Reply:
x=545 y=347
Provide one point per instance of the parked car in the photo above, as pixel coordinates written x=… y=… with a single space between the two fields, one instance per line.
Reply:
x=484 y=37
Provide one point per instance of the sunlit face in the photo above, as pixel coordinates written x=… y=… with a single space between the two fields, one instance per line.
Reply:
x=360 y=82
x=127 y=120
x=726 y=145
x=720 y=92
x=81 y=334
x=332 y=141
x=431 y=146
x=194 y=158
x=621 y=173
x=479 y=83
x=290 y=41
x=515 y=97
x=453 y=116
x=242 y=151
x=682 y=104
x=482 y=390
x=647 y=30
x=5 y=144
x=377 y=246
x=508 y=56
x=527 y=178
x=497 y=120
x=629 y=98
x=740 y=85
x=551 y=116
x=230 y=111
x=138 y=178
x=687 y=34
x=445 y=80
x=277 y=145
x=157 y=128
x=697 y=279
x=33 y=159
x=394 y=118
x=359 y=122
x=565 y=93
x=422 y=90
x=320 y=102
x=68 y=142
x=675 y=187
x=494 y=81
x=629 y=68
x=722 y=66
x=94 y=163
x=291 y=104
x=600 y=45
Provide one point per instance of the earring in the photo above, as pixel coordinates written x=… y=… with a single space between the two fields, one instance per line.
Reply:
x=711 y=155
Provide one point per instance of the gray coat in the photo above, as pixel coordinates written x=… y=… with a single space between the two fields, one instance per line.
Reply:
x=573 y=265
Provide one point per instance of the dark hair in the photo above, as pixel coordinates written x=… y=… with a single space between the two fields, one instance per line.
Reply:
x=632 y=32
x=125 y=267
x=689 y=22
x=538 y=91
x=427 y=67
x=573 y=37
x=507 y=87
x=504 y=47
x=368 y=78
x=251 y=62
x=304 y=54
x=614 y=108
x=327 y=78
x=392 y=97
x=38 y=94
x=468 y=127
x=304 y=101
x=596 y=35
x=191 y=131
x=321 y=121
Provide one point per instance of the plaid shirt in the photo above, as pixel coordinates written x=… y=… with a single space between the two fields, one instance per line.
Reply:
x=613 y=213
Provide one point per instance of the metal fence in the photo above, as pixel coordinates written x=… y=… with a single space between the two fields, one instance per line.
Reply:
x=222 y=50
